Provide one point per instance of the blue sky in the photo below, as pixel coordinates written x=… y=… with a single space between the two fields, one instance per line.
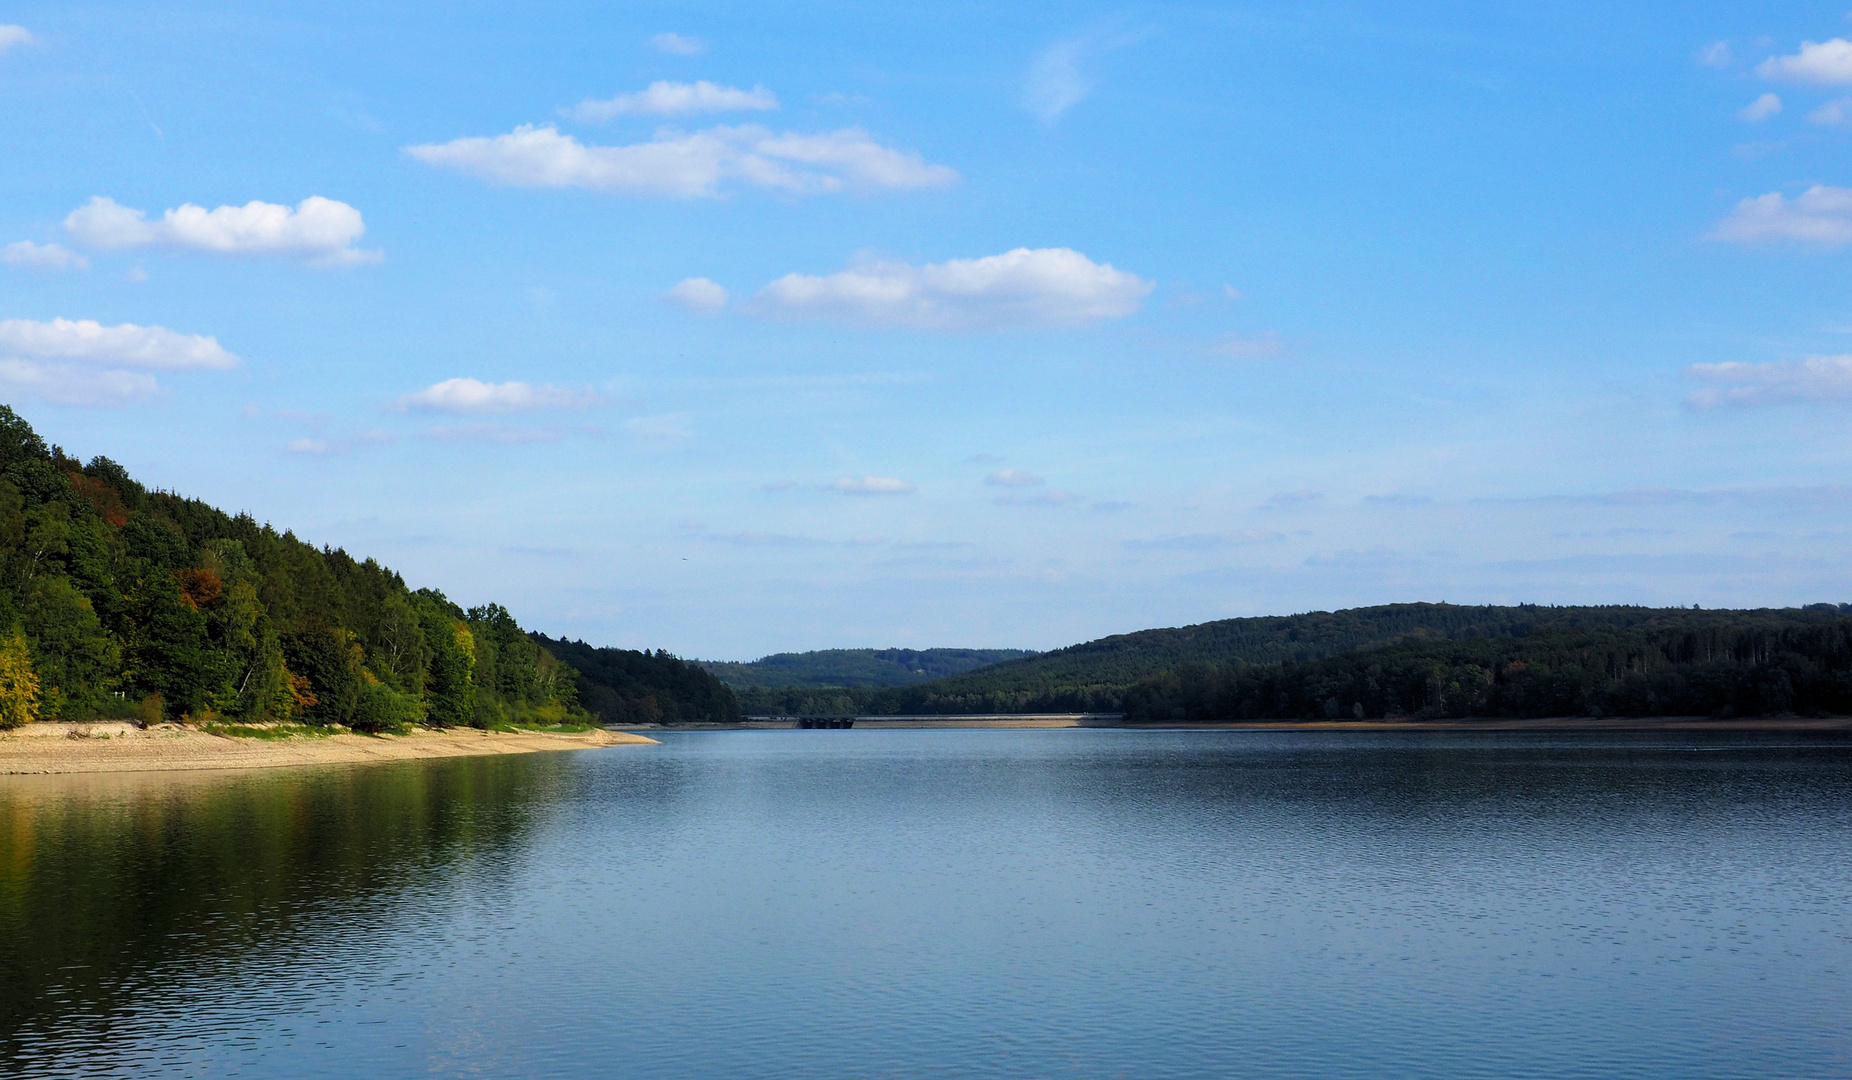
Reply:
x=737 y=328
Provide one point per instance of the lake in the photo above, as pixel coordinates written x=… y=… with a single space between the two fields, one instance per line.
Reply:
x=1074 y=903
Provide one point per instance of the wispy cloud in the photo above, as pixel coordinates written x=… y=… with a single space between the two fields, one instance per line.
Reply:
x=873 y=485
x=1816 y=379
x=1012 y=478
x=1819 y=62
x=751 y=538
x=47 y=257
x=323 y=231
x=1717 y=55
x=315 y=447
x=1820 y=215
x=13 y=35
x=1045 y=287
x=1057 y=81
x=1051 y=497
x=702 y=163
x=1294 y=500
x=659 y=432
x=664 y=98
x=490 y=434
x=1245 y=348
x=1205 y=541
x=1760 y=109
x=474 y=396
x=678 y=44
x=1835 y=113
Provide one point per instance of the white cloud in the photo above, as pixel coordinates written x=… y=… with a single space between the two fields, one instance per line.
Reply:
x=475 y=396
x=12 y=34
x=79 y=362
x=664 y=98
x=42 y=256
x=1020 y=288
x=72 y=384
x=129 y=346
x=1760 y=109
x=1012 y=478
x=1717 y=54
x=1815 y=379
x=872 y=485
x=1835 y=113
x=698 y=294
x=1820 y=215
x=321 y=230
x=1824 y=62
x=687 y=165
x=678 y=44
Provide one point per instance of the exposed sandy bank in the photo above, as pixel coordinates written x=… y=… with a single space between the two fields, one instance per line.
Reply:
x=114 y=747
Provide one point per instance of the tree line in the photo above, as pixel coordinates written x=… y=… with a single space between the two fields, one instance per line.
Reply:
x=1401 y=660
x=1722 y=665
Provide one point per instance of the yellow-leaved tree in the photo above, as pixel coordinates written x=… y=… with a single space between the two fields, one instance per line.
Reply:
x=19 y=687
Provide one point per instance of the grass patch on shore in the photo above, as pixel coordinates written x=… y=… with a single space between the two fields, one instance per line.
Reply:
x=267 y=731
x=565 y=728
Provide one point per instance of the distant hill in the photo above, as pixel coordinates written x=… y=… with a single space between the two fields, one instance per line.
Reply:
x=1096 y=675
x=855 y=667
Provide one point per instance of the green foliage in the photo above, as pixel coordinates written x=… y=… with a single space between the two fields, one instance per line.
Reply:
x=268 y=732
x=1675 y=663
x=19 y=687
x=624 y=686
x=126 y=603
x=79 y=663
x=856 y=667
x=379 y=708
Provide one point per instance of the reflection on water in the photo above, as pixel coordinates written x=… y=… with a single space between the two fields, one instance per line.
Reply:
x=948 y=903
x=121 y=893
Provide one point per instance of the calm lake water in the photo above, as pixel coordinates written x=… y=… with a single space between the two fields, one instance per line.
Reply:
x=948 y=904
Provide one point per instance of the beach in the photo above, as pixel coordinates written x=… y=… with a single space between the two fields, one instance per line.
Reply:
x=119 y=747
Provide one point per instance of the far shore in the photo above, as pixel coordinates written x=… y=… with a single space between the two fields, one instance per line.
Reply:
x=111 y=747
x=1114 y=720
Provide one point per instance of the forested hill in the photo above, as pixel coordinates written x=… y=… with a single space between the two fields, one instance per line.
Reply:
x=1592 y=648
x=628 y=686
x=856 y=667
x=120 y=602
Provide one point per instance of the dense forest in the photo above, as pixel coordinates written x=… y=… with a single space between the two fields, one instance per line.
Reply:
x=117 y=602
x=626 y=686
x=1407 y=659
x=1680 y=663
x=855 y=667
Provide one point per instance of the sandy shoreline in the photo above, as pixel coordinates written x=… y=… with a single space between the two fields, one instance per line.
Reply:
x=117 y=747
